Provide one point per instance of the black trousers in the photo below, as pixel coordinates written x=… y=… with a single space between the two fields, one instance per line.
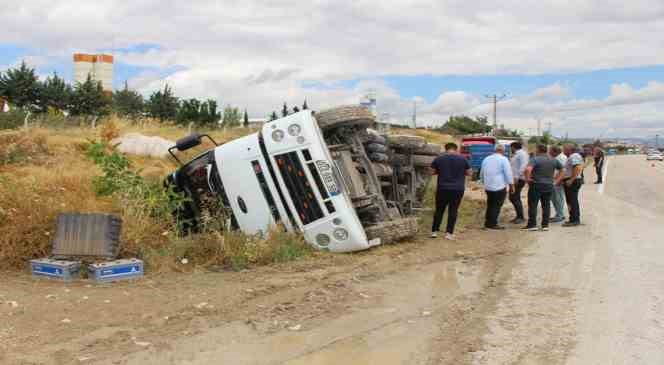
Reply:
x=572 y=198
x=515 y=198
x=447 y=199
x=494 y=202
x=539 y=193
x=599 y=167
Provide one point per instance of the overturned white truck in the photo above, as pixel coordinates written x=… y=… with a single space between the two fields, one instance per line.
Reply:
x=327 y=175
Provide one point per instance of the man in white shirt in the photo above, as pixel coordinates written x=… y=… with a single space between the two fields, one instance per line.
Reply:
x=558 y=191
x=571 y=181
x=519 y=163
x=496 y=175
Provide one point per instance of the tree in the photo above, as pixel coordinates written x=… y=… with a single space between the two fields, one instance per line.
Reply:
x=296 y=109
x=163 y=104
x=20 y=87
x=284 y=110
x=304 y=105
x=89 y=99
x=245 y=118
x=55 y=93
x=462 y=124
x=189 y=111
x=231 y=117
x=127 y=102
x=545 y=139
x=273 y=116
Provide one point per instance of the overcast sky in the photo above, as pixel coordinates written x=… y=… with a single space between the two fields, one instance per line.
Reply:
x=590 y=67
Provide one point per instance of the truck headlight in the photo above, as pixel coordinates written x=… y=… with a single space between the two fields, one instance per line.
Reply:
x=278 y=135
x=322 y=239
x=340 y=234
x=294 y=129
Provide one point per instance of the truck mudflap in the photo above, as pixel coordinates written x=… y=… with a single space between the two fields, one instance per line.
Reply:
x=392 y=231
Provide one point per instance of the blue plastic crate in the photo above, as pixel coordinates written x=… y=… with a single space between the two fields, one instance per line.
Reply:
x=116 y=270
x=57 y=269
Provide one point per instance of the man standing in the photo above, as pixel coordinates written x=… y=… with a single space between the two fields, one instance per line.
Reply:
x=452 y=169
x=558 y=192
x=571 y=180
x=598 y=153
x=519 y=163
x=539 y=175
x=496 y=175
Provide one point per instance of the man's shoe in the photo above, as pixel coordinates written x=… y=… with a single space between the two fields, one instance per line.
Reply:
x=450 y=237
x=529 y=228
x=571 y=224
x=434 y=234
x=496 y=228
x=518 y=221
x=557 y=219
x=545 y=229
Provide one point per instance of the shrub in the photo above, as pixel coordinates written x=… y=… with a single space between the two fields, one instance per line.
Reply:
x=12 y=119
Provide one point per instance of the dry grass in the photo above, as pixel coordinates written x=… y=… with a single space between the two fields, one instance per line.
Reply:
x=45 y=172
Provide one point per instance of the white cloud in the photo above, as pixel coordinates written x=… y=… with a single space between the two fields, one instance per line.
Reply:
x=260 y=53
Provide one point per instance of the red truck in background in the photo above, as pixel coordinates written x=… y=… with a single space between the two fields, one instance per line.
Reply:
x=466 y=142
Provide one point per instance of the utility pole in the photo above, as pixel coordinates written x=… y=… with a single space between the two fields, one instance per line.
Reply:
x=539 y=127
x=495 y=99
x=548 y=124
x=657 y=141
x=414 y=113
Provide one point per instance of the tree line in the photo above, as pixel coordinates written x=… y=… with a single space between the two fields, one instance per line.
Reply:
x=22 y=89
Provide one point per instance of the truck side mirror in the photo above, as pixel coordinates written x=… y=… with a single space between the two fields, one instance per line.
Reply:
x=188 y=142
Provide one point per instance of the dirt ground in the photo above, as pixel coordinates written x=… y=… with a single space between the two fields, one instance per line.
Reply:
x=48 y=322
x=585 y=295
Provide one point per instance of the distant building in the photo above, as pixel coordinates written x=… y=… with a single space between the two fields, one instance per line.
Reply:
x=99 y=67
x=369 y=101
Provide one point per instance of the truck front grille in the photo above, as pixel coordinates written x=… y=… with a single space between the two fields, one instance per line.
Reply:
x=299 y=187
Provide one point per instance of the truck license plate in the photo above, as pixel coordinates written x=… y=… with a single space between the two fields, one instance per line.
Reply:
x=327 y=175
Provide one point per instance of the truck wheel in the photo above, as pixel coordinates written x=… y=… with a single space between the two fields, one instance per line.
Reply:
x=376 y=147
x=376 y=138
x=393 y=231
x=418 y=160
x=430 y=149
x=422 y=160
x=345 y=116
x=378 y=157
x=407 y=142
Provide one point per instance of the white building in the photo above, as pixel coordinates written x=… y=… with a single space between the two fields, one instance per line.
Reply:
x=99 y=67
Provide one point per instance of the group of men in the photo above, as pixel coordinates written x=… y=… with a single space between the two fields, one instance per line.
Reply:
x=552 y=174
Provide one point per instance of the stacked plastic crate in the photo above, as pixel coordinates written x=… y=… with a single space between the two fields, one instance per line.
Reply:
x=90 y=238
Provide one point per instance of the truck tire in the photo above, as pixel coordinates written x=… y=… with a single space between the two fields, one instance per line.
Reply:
x=345 y=116
x=393 y=231
x=378 y=157
x=418 y=160
x=430 y=149
x=423 y=160
x=376 y=147
x=406 y=142
x=374 y=137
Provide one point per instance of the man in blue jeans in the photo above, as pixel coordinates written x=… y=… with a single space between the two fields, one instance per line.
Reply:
x=452 y=169
x=539 y=175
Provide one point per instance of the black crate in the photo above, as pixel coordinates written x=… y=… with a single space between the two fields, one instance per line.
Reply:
x=87 y=235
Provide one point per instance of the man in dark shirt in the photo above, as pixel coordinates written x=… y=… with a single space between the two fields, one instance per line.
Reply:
x=539 y=175
x=599 y=164
x=452 y=169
